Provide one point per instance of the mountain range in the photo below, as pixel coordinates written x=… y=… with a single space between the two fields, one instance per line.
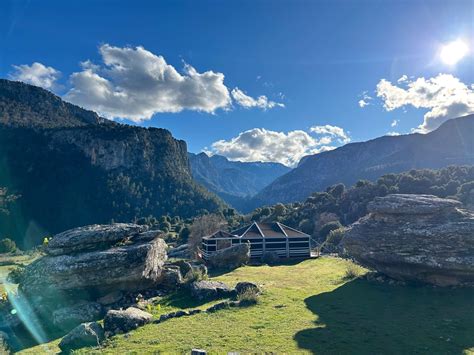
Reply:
x=451 y=144
x=71 y=167
x=234 y=181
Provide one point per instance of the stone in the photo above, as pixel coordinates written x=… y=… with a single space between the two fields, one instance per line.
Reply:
x=93 y=274
x=181 y=251
x=172 y=278
x=124 y=321
x=72 y=316
x=184 y=267
x=92 y=237
x=86 y=334
x=207 y=290
x=218 y=306
x=419 y=238
x=230 y=258
x=241 y=287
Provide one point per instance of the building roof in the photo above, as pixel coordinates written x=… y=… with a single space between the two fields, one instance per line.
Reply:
x=261 y=230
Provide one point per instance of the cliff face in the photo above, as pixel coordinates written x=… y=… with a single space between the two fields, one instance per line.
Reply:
x=72 y=168
x=451 y=144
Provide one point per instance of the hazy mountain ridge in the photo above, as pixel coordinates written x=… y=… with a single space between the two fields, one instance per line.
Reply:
x=450 y=144
x=72 y=167
x=233 y=180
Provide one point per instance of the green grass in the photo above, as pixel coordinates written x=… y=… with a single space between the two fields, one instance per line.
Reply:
x=8 y=263
x=311 y=307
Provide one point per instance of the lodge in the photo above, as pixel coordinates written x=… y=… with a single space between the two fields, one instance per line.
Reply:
x=262 y=237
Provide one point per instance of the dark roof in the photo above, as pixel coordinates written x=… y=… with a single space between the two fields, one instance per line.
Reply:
x=260 y=230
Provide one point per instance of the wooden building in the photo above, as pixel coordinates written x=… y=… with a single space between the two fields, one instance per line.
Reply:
x=262 y=237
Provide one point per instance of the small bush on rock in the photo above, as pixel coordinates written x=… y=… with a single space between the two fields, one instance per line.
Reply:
x=351 y=272
x=7 y=246
x=16 y=275
x=248 y=298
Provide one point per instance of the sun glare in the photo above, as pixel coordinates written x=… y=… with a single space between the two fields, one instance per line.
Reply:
x=453 y=52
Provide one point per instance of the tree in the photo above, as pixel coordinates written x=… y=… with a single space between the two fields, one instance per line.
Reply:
x=201 y=227
x=184 y=234
x=7 y=246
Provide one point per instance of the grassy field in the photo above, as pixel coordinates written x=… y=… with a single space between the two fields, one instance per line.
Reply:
x=310 y=307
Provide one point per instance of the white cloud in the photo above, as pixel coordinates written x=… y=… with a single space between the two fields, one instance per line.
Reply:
x=393 y=133
x=248 y=102
x=332 y=131
x=402 y=79
x=365 y=101
x=260 y=144
x=36 y=74
x=444 y=95
x=394 y=123
x=134 y=83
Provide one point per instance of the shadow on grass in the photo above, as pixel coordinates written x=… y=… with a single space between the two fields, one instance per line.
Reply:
x=362 y=318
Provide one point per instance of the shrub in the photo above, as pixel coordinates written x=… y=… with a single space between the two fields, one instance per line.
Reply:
x=248 y=298
x=351 y=272
x=16 y=275
x=334 y=238
x=328 y=227
x=270 y=258
x=7 y=246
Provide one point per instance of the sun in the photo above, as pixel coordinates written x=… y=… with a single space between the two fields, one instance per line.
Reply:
x=451 y=53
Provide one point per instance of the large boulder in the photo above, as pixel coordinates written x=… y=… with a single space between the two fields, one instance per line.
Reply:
x=133 y=263
x=415 y=237
x=124 y=321
x=230 y=258
x=93 y=237
x=86 y=334
x=207 y=290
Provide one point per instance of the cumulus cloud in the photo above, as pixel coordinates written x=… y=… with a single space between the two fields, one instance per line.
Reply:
x=394 y=123
x=333 y=132
x=260 y=144
x=246 y=101
x=134 y=83
x=444 y=95
x=36 y=74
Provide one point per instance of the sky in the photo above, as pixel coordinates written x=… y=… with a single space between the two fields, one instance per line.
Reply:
x=252 y=80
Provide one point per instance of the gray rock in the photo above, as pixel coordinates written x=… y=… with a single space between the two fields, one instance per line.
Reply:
x=207 y=290
x=218 y=306
x=270 y=258
x=172 y=278
x=230 y=258
x=184 y=267
x=72 y=316
x=124 y=321
x=129 y=267
x=241 y=287
x=415 y=238
x=86 y=334
x=92 y=237
x=179 y=252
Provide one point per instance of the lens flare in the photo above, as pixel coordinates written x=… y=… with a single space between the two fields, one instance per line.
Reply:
x=453 y=52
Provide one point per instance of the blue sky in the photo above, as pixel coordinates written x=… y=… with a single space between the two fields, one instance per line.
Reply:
x=317 y=58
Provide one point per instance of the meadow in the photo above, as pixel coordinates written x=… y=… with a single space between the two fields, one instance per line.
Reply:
x=309 y=307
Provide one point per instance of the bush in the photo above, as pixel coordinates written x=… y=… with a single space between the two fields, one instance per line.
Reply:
x=7 y=246
x=16 y=275
x=327 y=228
x=351 y=272
x=333 y=240
x=248 y=298
x=270 y=258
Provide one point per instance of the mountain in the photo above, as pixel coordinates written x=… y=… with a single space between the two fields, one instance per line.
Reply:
x=71 y=167
x=233 y=181
x=451 y=144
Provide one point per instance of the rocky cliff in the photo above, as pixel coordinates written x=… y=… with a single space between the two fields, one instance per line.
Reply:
x=417 y=238
x=70 y=167
x=450 y=144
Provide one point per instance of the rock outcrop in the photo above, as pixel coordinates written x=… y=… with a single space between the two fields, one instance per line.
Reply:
x=123 y=321
x=230 y=258
x=79 y=313
x=99 y=267
x=207 y=290
x=415 y=238
x=86 y=334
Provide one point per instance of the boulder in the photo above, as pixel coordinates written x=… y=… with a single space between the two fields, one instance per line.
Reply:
x=241 y=287
x=184 y=267
x=125 y=321
x=68 y=317
x=181 y=251
x=271 y=258
x=129 y=266
x=230 y=258
x=92 y=237
x=415 y=238
x=172 y=278
x=207 y=290
x=86 y=334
